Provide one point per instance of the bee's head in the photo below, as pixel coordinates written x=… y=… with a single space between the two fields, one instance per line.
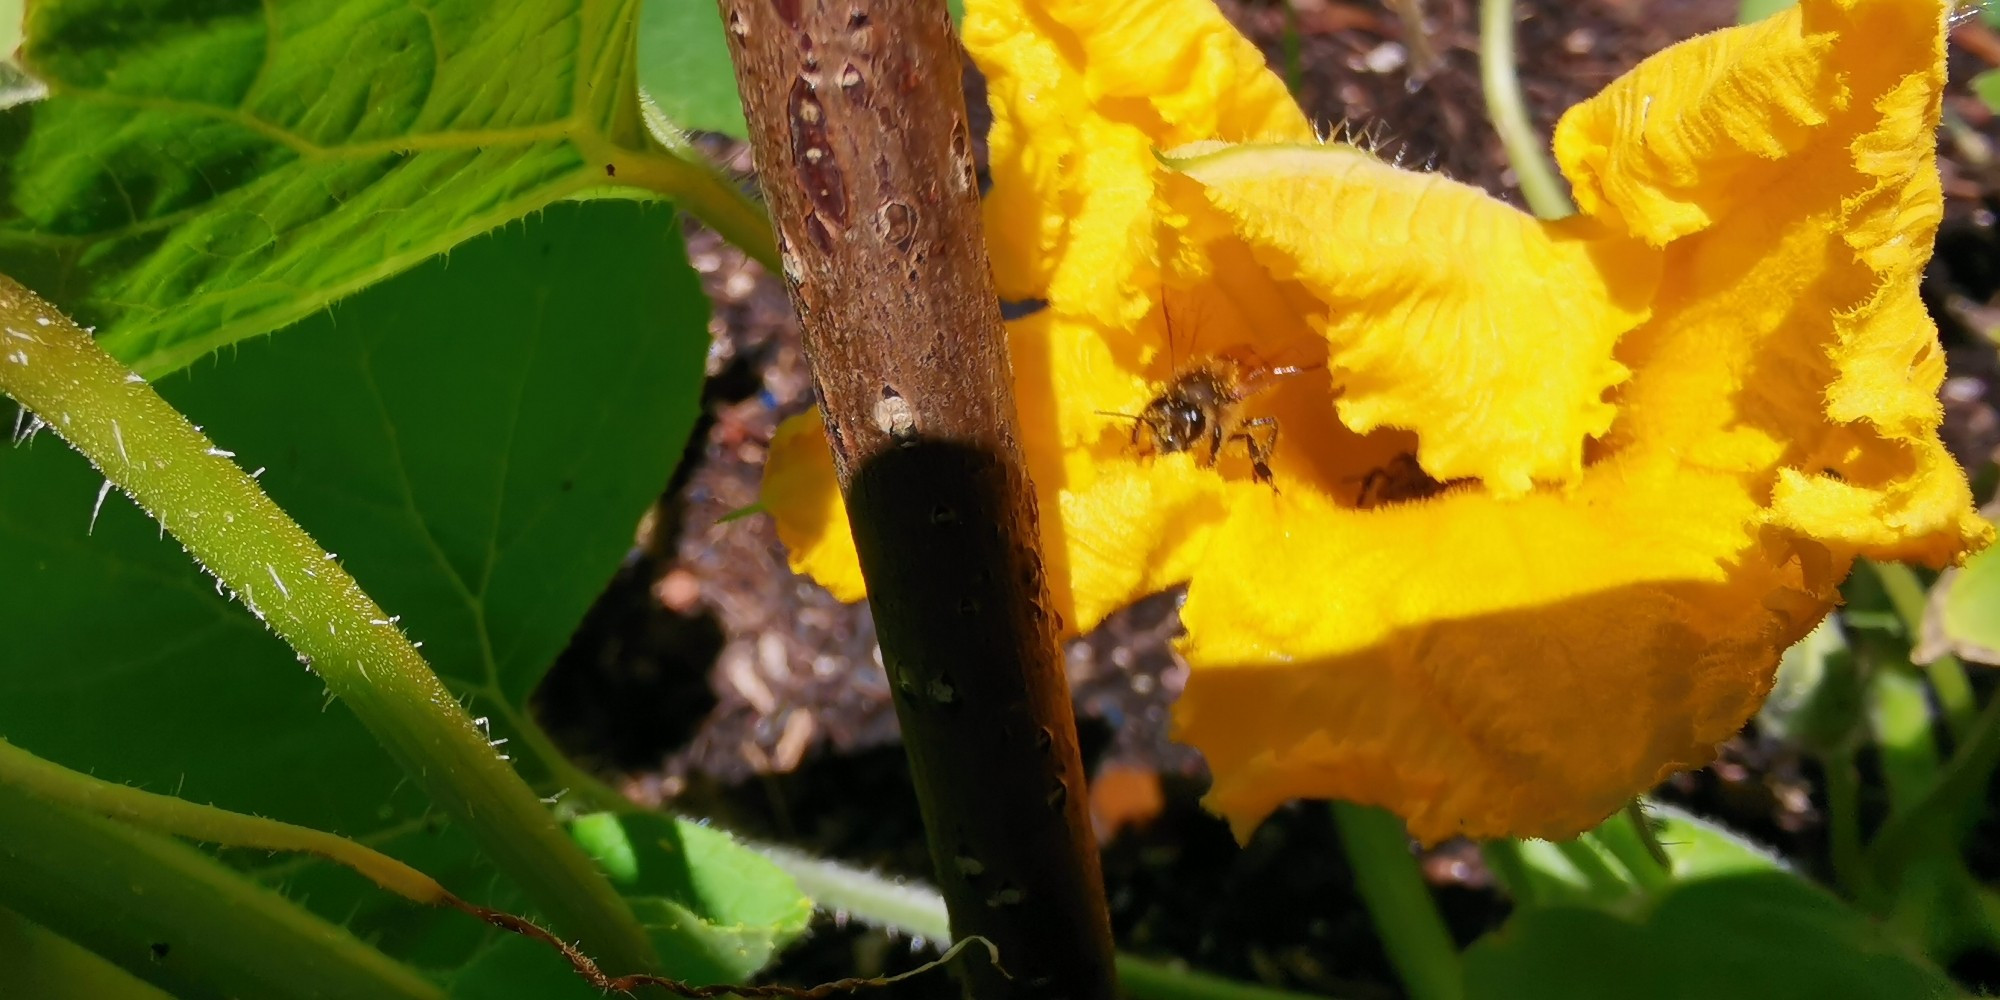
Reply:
x=1176 y=423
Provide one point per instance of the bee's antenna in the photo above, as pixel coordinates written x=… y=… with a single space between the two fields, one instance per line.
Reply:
x=1137 y=421
x=1173 y=360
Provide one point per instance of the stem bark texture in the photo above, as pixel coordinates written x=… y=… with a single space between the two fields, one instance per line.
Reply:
x=858 y=123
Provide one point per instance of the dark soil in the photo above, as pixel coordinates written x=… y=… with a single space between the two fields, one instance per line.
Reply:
x=710 y=679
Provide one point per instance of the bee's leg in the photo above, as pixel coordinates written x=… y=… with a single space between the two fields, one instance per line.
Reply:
x=1260 y=438
x=1373 y=485
x=1215 y=442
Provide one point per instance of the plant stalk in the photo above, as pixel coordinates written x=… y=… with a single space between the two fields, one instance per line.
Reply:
x=862 y=143
x=1503 y=859
x=1947 y=675
x=1541 y=186
x=1399 y=902
x=1907 y=835
x=52 y=782
x=176 y=917
x=1624 y=835
x=917 y=910
x=150 y=451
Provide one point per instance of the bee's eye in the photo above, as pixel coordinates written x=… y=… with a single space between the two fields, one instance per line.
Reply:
x=1192 y=419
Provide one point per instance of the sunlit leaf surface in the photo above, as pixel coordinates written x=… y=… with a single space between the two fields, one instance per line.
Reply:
x=211 y=171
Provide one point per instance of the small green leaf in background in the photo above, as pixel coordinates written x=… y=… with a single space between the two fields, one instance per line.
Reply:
x=684 y=65
x=717 y=911
x=476 y=440
x=1757 y=10
x=1749 y=936
x=1817 y=700
x=321 y=145
x=1574 y=872
x=1701 y=848
x=1986 y=85
x=1963 y=616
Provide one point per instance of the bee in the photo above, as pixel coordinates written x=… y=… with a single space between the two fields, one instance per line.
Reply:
x=1401 y=478
x=1199 y=410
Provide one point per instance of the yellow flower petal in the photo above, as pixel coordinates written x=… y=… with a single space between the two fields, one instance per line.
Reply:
x=1450 y=314
x=1182 y=57
x=1523 y=666
x=1486 y=667
x=803 y=498
x=1082 y=94
x=1664 y=430
x=1694 y=132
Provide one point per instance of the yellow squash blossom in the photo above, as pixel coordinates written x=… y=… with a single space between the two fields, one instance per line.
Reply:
x=1547 y=498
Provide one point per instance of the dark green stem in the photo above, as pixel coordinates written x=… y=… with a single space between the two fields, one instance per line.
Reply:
x=52 y=782
x=176 y=917
x=1604 y=880
x=1503 y=859
x=1144 y=980
x=1624 y=835
x=917 y=910
x=146 y=448
x=1406 y=918
x=1907 y=835
x=1946 y=673
x=1843 y=806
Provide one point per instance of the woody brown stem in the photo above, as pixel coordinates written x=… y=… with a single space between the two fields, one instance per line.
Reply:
x=859 y=130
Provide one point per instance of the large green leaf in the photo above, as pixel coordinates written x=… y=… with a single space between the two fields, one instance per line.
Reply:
x=37 y=962
x=475 y=438
x=1747 y=936
x=209 y=170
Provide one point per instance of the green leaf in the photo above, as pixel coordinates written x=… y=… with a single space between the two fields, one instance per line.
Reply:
x=37 y=962
x=173 y=916
x=684 y=66
x=1899 y=714
x=717 y=911
x=1757 y=10
x=514 y=968
x=1817 y=700
x=1573 y=871
x=1754 y=936
x=1986 y=85
x=1963 y=615
x=209 y=171
x=475 y=438
x=1701 y=848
